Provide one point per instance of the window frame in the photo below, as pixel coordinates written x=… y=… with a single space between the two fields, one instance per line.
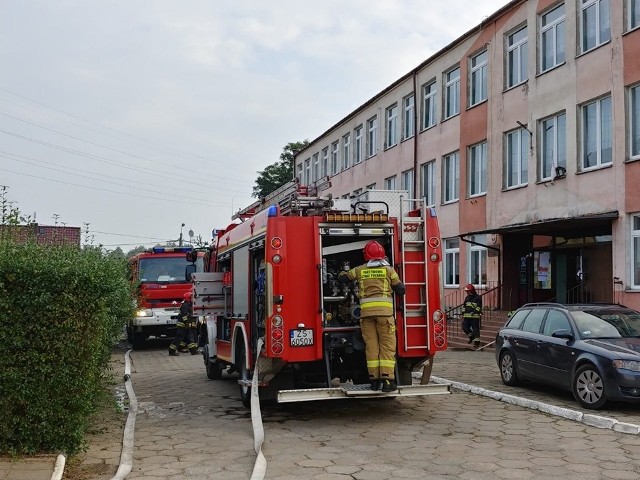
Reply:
x=599 y=133
x=633 y=14
x=429 y=107
x=391 y=126
x=409 y=108
x=315 y=167
x=346 y=151
x=477 y=169
x=428 y=182
x=451 y=267
x=521 y=162
x=478 y=73
x=451 y=177
x=390 y=183
x=307 y=172
x=335 y=157
x=559 y=151
x=522 y=63
x=634 y=121
x=585 y=5
x=553 y=26
x=324 y=162
x=372 y=137
x=407 y=177
x=477 y=256
x=452 y=93
x=358 y=150
x=634 y=234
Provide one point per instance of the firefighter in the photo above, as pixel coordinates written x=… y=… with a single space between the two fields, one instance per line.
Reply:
x=472 y=308
x=185 y=332
x=377 y=281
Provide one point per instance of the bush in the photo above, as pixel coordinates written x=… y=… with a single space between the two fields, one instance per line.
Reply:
x=61 y=310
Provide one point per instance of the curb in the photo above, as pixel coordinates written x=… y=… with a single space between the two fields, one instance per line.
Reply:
x=575 y=415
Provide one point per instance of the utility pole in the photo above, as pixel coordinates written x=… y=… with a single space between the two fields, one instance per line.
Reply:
x=180 y=239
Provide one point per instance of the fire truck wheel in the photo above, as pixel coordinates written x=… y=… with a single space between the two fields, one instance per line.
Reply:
x=214 y=370
x=139 y=339
x=245 y=374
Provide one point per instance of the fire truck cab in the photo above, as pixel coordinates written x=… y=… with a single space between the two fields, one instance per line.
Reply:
x=274 y=305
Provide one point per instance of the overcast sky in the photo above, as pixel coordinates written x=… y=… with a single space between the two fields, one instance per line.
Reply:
x=135 y=116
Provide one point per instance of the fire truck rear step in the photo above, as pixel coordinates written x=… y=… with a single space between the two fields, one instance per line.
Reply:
x=359 y=391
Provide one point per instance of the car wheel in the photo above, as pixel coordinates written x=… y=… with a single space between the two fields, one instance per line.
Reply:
x=588 y=387
x=508 y=369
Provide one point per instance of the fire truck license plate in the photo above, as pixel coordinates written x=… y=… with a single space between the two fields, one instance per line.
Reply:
x=302 y=337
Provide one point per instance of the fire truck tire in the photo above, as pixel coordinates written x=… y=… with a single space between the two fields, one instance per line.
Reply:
x=214 y=370
x=245 y=374
x=139 y=340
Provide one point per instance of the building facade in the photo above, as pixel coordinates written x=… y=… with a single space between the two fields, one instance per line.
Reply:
x=41 y=234
x=524 y=134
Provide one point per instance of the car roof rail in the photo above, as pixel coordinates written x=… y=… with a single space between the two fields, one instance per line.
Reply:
x=543 y=304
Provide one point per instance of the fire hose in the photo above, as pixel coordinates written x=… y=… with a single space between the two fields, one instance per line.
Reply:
x=260 y=466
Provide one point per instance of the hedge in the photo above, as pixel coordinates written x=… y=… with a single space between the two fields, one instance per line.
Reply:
x=61 y=311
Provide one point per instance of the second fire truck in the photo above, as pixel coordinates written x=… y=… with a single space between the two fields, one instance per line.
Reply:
x=274 y=305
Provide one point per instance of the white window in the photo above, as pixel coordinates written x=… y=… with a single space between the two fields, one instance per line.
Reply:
x=406 y=181
x=392 y=126
x=477 y=169
x=307 y=171
x=450 y=177
x=517 y=159
x=390 y=183
x=517 y=57
x=371 y=187
x=372 y=136
x=299 y=172
x=595 y=27
x=358 y=151
x=477 y=261
x=346 y=151
x=552 y=38
x=452 y=93
x=335 y=165
x=409 y=114
x=315 y=162
x=451 y=262
x=553 y=146
x=429 y=105
x=478 y=78
x=634 y=122
x=597 y=131
x=428 y=182
x=634 y=14
x=635 y=241
x=324 y=163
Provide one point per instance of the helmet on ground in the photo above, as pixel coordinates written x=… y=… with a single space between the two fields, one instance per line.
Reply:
x=187 y=296
x=470 y=288
x=373 y=251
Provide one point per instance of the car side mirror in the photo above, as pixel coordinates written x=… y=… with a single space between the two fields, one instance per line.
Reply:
x=563 y=333
x=188 y=271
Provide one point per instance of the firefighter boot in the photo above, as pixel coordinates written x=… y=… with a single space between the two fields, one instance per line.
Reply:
x=476 y=342
x=389 y=385
x=193 y=351
x=470 y=335
x=173 y=352
x=375 y=384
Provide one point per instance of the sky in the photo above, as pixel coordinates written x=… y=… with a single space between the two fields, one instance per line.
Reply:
x=130 y=118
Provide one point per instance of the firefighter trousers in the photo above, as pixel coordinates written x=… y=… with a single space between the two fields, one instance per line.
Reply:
x=184 y=335
x=379 y=334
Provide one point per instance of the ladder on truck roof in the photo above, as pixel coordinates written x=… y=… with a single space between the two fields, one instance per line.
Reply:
x=413 y=234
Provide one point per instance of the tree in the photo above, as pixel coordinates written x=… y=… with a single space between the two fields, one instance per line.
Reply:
x=278 y=173
x=135 y=251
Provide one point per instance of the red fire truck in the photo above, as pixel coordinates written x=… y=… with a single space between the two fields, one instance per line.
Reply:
x=273 y=302
x=163 y=275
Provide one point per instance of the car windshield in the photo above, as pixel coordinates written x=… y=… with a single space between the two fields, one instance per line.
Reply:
x=608 y=323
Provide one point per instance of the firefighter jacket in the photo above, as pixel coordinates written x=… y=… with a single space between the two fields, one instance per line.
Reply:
x=186 y=313
x=472 y=306
x=377 y=281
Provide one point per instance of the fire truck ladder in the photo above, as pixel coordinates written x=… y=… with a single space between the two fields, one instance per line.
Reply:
x=413 y=214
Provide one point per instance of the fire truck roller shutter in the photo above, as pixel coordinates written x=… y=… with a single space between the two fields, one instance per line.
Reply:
x=240 y=305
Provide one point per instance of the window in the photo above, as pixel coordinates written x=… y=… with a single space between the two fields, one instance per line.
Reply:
x=334 y=158
x=358 y=150
x=299 y=173
x=634 y=13
x=428 y=182
x=307 y=172
x=390 y=183
x=315 y=161
x=346 y=151
x=450 y=177
x=555 y=321
x=371 y=187
x=635 y=241
x=517 y=57
x=517 y=160
x=406 y=181
x=634 y=122
x=429 y=105
x=533 y=322
x=477 y=263
x=477 y=169
x=596 y=133
x=392 y=126
x=478 y=78
x=552 y=38
x=452 y=93
x=372 y=136
x=451 y=261
x=553 y=146
x=324 y=163
x=595 y=26
x=409 y=114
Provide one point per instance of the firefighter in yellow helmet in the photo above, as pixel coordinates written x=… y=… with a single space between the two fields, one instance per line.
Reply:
x=377 y=281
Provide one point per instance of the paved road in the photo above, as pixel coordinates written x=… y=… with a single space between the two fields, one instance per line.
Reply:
x=189 y=427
